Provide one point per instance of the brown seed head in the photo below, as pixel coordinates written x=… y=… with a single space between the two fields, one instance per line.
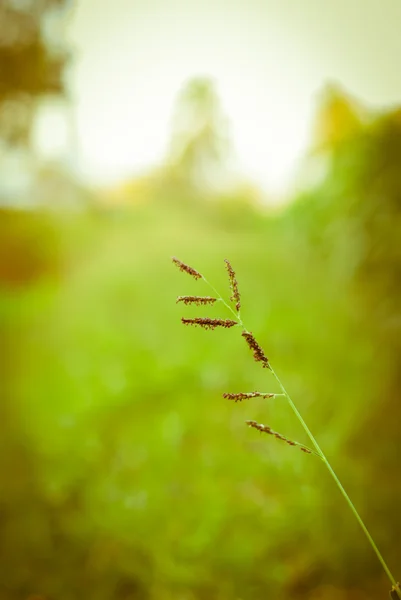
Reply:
x=208 y=323
x=198 y=300
x=186 y=268
x=394 y=593
x=233 y=285
x=245 y=395
x=258 y=353
x=279 y=436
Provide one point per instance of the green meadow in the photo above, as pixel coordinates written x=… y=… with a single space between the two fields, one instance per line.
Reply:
x=124 y=473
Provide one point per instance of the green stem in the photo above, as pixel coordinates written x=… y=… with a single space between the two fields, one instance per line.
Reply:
x=320 y=454
x=338 y=483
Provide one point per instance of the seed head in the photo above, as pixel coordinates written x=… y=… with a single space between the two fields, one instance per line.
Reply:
x=186 y=268
x=238 y=397
x=233 y=285
x=198 y=300
x=208 y=323
x=279 y=436
x=258 y=353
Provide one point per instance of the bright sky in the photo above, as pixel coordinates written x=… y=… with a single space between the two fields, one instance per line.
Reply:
x=269 y=59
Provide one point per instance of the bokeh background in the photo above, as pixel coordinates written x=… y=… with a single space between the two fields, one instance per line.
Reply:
x=268 y=133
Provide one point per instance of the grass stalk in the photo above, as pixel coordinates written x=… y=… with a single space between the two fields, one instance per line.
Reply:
x=396 y=590
x=338 y=483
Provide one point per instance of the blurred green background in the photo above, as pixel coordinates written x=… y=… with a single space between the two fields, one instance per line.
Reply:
x=124 y=474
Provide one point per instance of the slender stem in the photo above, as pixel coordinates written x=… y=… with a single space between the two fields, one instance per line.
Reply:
x=220 y=297
x=320 y=453
x=338 y=483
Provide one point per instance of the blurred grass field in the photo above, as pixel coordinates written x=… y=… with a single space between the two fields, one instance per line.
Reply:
x=125 y=473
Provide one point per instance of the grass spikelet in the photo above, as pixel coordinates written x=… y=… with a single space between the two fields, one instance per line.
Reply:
x=238 y=397
x=279 y=436
x=258 y=353
x=198 y=300
x=233 y=285
x=186 y=268
x=208 y=323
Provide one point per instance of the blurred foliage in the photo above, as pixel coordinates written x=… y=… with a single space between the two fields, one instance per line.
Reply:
x=199 y=146
x=339 y=118
x=32 y=60
x=124 y=473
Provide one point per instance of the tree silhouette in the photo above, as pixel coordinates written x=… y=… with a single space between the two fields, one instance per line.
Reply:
x=339 y=117
x=32 y=60
x=199 y=143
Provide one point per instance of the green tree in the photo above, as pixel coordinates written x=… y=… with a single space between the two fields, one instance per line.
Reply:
x=32 y=61
x=354 y=219
x=199 y=143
